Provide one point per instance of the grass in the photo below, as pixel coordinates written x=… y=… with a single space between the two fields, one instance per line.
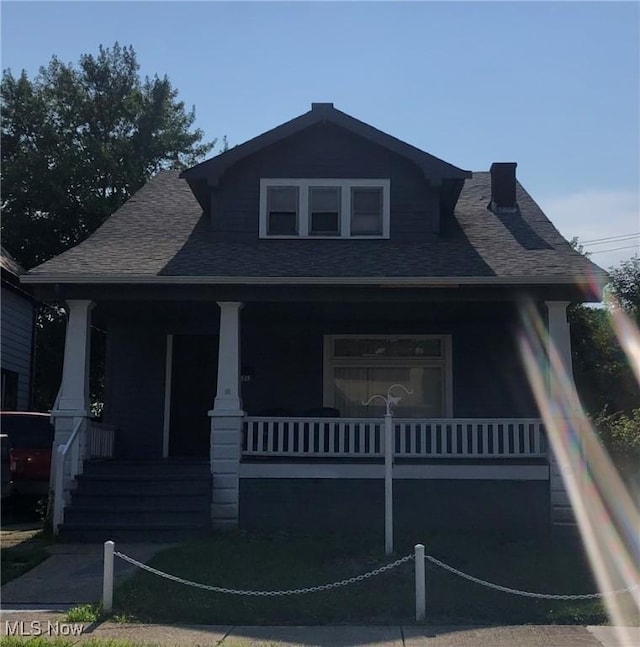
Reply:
x=16 y=560
x=84 y=613
x=246 y=561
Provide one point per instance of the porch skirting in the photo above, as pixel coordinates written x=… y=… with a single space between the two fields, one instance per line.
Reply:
x=307 y=505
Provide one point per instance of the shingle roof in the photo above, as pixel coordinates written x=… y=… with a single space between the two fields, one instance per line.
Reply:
x=161 y=232
x=9 y=264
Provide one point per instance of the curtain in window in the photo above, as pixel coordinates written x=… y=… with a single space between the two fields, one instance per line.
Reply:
x=355 y=385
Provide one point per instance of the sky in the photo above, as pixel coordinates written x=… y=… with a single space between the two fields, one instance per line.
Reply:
x=553 y=86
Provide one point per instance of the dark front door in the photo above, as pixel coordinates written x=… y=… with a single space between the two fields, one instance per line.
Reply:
x=193 y=389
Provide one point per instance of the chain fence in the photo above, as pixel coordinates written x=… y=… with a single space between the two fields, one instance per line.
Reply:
x=527 y=594
x=365 y=576
x=310 y=589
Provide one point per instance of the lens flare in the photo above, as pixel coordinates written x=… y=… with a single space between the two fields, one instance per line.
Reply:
x=606 y=514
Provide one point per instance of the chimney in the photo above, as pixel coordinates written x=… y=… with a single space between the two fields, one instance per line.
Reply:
x=503 y=187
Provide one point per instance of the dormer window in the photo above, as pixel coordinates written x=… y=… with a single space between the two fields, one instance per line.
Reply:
x=282 y=211
x=324 y=208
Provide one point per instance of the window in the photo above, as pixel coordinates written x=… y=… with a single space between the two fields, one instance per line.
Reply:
x=9 y=390
x=324 y=211
x=282 y=210
x=324 y=208
x=359 y=366
x=366 y=211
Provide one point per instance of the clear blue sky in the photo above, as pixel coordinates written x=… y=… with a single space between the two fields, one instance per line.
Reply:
x=554 y=86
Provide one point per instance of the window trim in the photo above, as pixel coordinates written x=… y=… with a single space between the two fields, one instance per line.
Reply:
x=345 y=185
x=446 y=361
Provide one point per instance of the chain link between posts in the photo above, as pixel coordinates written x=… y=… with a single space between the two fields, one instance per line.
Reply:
x=365 y=576
x=311 y=589
x=527 y=594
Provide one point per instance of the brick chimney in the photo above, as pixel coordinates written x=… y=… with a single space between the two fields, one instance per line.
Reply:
x=503 y=187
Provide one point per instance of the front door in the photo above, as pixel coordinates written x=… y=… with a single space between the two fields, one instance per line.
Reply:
x=193 y=389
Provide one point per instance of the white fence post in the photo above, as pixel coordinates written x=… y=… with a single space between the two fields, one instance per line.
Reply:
x=107 y=577
x=421 y=598
x=388 y=484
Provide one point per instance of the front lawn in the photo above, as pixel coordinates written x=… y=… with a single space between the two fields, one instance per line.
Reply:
x=245 y=561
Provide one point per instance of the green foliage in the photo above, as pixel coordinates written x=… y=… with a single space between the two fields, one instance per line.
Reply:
x=78 y=141
x=625 y=286
x=601 y=369
x=620 y=433
x=84 y=613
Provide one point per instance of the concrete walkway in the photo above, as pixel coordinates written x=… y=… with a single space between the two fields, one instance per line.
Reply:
x=51 y=624
x=34 y=603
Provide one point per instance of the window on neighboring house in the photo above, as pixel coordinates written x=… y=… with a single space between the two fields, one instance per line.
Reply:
x=282 y=210
x=359 y=366
x=9 y=390
x=331 y=208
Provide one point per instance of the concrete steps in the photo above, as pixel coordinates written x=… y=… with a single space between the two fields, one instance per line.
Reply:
x=161 y=501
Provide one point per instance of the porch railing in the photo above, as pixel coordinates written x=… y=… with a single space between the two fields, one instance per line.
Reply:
x=414 y=438
x=101 y=440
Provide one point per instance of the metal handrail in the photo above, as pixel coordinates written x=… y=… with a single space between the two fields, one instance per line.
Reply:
x=58 y=489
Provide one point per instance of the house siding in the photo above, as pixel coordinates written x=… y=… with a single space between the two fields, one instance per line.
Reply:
x=519 y=508
x=324 y=151
x=17 y=342
x=286 y=365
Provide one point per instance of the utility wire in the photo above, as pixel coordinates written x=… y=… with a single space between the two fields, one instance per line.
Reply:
x=615 y=249
x=601 y=240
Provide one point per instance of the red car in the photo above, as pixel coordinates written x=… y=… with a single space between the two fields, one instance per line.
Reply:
x=31 y=440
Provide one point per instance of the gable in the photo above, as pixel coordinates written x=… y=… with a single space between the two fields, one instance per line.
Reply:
x=210 y=172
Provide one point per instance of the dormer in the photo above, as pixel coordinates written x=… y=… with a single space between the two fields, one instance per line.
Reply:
x=325 y=175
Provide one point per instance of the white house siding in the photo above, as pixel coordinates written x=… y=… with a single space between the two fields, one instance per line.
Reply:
x=17 y=341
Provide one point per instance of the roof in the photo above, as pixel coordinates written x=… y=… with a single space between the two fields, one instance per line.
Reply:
x=9 y=264
x=161 y=235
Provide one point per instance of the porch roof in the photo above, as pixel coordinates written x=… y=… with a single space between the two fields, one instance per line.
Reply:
x=161 y=235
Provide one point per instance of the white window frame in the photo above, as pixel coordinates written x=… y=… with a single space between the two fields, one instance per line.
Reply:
x=330 y=362
x=304 y=214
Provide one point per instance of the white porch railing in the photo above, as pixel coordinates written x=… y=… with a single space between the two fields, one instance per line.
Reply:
x=484 y=438
x=101 y=440
x=71 y=449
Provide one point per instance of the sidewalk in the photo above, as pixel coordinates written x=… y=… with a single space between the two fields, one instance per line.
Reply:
x=332 y=636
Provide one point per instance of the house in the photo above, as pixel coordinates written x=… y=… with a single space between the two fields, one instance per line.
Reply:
x=18 y=329
x=252 y=303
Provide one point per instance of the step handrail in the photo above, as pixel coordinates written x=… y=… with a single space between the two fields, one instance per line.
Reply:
x=61 y=457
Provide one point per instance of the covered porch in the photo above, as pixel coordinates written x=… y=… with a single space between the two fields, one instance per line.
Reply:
x=287 y=380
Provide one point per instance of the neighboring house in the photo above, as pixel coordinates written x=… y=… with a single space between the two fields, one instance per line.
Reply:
x=18 y=327
x=254 y=301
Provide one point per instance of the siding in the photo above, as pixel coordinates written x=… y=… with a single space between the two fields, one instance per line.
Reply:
x=284 y=351
x=324 y=151
x=303 y=506
x=17 y=341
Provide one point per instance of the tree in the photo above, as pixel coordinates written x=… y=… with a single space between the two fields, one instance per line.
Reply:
x=603 y=375
x=78 y=141
x=625 y=286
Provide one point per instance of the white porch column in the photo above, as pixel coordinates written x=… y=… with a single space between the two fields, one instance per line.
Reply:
x=226 y=421
x=73 y=396
x=559 y=341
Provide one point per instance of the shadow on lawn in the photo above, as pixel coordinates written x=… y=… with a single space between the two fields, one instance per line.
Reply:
x=260 y=562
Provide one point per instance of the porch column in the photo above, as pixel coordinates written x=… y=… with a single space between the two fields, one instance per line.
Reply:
x=559 y=341
x=226 y=421
x=73 y=396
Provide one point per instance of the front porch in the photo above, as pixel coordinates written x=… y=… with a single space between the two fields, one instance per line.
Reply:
x=469 y=424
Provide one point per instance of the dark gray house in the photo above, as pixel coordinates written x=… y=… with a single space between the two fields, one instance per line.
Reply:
x=254 y=302
x=18 y=327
